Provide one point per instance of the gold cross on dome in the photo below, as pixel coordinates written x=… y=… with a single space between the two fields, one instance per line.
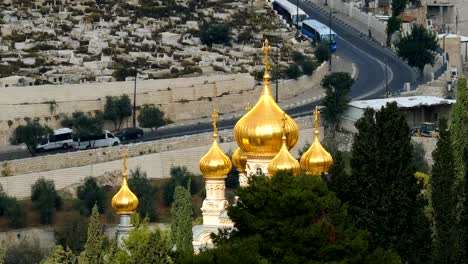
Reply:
x=317 y=115
x=266 y=58
x=124 y=159
x=215 y=117
x=284 y=123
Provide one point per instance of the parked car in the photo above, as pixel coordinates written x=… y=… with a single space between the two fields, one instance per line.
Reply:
x=130 y=133
x=60 y=138
x=105 y=139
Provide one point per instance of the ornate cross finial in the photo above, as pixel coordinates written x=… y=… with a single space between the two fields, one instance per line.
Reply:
x=266 y=58
x=215 y=127
x=124 y=160
x=284 y=124
x=316 y=121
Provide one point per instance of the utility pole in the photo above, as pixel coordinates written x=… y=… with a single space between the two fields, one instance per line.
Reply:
x=134 y=98
x=330 y=43
x=277 y=67
x=297 y=17
x=387 y=92
x=456 y=23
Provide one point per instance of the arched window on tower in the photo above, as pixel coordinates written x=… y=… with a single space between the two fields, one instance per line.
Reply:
x=259 y=172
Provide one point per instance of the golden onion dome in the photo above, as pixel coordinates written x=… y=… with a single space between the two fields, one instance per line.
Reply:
x=284 y=160
x=215 y=164
x=259 y=132
x=239 y=160
x=124 y=201
x=316 y=160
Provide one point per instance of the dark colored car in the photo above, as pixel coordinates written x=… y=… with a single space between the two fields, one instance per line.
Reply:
x=130 y=133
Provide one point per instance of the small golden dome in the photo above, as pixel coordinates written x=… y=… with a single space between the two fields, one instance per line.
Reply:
x=316 y=160
x=284 y=160
x=259 y=132
x=239 y=160
x=124 y=201
x=215 y=164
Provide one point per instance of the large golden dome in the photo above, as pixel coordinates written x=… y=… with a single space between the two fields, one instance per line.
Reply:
x=124 y=201
x=316 y=160
x=259 y=132
x=239 y=160
x=215 y=164
x=284 y=160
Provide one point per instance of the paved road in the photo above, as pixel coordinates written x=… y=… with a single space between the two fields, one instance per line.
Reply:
x=368 y=56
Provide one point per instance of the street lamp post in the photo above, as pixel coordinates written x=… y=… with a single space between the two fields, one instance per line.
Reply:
x=134 y=98
x=330 y=43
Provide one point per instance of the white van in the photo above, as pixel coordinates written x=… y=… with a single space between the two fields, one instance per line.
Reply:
x=105 y=139
x=60 y=138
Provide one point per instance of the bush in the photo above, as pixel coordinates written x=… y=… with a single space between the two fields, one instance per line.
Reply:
x=141 y=186
x=180 y=177
x=73 y=233
x=23 y=252
x=297 y=56
x=232 y=180
x=322 y=52
x=308 y=66
x=45 y=198
x=90 y=194
x=151 y=117
x=293 y=71
x=215 y=34
x=12 y=210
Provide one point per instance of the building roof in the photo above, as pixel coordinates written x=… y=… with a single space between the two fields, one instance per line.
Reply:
x=402 y=102
x=407 y=18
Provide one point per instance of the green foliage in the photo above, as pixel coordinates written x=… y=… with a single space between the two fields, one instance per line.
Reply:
x=145 y=246
x=180 y=176
x=90 y=194
x=444 y=199
x=394 y=22
x=11 y=209
x=23 y=252
x=117 y=108
x=45 y=198
x=286 y=219
x=84 y=125
x=93 y=252
x=72 y=234
x=151 y=117
x=418 y=47
x=382 y=192
x=181 y=224
x=215 y=34
x=419 y=158
x=293 y=71
x=337 y=87
x=58 y=255
x=308 y=66
x=232 y=179
x=459 y=127
x=30 y=134
x=322 y=52
x=464 y=214
x=141 y=186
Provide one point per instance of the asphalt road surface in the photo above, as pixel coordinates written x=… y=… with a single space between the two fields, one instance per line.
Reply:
x=368 y=56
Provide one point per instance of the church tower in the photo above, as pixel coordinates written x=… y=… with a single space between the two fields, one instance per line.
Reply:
x=259 y=132
x=124 y=203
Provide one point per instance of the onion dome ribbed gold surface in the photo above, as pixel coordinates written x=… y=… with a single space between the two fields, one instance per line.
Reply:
x=259 y=132
x=316 y=160
x=284 y=160
x=124 y=201
x=215 y=164
x=239 y=160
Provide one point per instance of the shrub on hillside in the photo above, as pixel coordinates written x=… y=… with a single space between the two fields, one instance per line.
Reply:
x=72 y=233
x=12 y=210
x=45 y=198
x=308 y=66
x=322 y=52
x=23 y=252
x=293 y=71
x=180 y=177
x=90 y=194
x=215 y=34
x=144 y=190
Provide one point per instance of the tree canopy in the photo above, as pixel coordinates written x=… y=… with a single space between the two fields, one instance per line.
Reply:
x=30 y=134
x=144 y=190
x=215 y=34
x=418 y=47
x=151 y=117
x=117 y=108
x=286 y=219
x=84 y=125
x=337 y=87
x=46 y=199
x=181 y=225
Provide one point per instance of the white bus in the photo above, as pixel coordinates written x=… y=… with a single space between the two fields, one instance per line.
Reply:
x=319 y=32
x=60 y=138
x=290 y=12
x=105 y=139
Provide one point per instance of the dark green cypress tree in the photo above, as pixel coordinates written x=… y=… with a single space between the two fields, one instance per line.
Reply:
x=93 y=252
x=444 y=200
x=383 y=194
x=464 y=215
x=181 y=225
